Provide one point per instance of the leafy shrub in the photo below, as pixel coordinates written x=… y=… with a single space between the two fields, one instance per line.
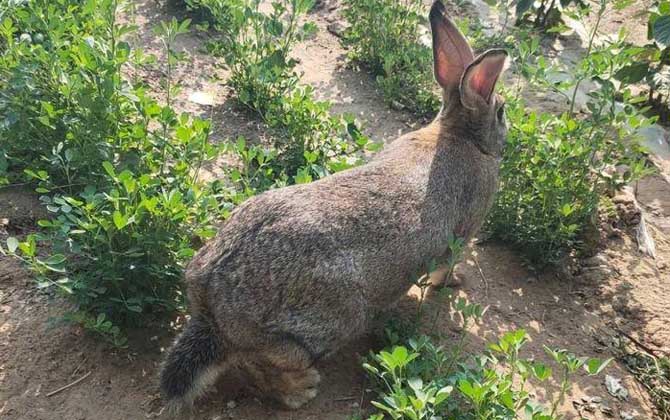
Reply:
x=418 y=379
x=557 y=168
x=384 y=36
x=120 y=231
x=123 y=246
x=60 y=74
x=256 y=45
x=650 y=64
x=545 y=14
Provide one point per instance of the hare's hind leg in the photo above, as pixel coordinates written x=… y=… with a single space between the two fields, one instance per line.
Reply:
x=284 y=370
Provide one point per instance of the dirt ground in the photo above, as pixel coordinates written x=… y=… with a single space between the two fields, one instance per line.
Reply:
x=584 y=308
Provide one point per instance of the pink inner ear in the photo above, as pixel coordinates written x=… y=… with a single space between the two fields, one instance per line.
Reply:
x=482 y=77
x=451 y=51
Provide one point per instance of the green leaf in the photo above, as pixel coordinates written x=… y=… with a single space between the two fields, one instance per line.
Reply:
x=12 y=244
x=594 y=366
x=55 y=259
x=415 y=383
x=109 y=169
x=120 y=221
x=633 y=73
x=522 y=6
x=661 y=30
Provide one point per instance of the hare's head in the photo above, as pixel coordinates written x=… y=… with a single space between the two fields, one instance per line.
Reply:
x=470 y=107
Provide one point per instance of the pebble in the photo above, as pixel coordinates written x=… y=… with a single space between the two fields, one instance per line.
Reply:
x=595 y=261
x=596 y=274
x=629 y=415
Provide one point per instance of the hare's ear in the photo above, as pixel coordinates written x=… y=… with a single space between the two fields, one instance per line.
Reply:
x=451 y=51
x=481 y=76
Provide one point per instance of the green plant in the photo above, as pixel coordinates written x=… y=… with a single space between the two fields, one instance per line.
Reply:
x=456 y=249
x=61 y=84
x=256 y=173
x=651 y=370
x=556 y=168
x=384 y=36
x=545 y=14
x=256 y=44
x=118 y=239
x=422 y=380
x=650 y=63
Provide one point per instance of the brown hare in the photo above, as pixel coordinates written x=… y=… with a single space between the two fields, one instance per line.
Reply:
x=298 y=272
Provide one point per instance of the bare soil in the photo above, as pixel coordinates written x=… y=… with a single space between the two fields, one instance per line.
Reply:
x=584 y=308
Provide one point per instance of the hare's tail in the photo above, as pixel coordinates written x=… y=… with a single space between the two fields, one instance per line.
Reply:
x=194 y=362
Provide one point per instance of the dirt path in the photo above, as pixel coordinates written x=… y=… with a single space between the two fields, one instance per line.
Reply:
x=577 y=309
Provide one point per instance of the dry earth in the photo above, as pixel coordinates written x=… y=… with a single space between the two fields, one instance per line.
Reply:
x=583 y=308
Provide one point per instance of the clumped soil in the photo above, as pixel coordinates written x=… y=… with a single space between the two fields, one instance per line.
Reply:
x=585 y=307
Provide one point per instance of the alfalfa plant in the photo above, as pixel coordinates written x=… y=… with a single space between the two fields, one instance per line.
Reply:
x=116 y=245
x=557 y=169
x=385 y=37
x=255 y=43
x=420 y=379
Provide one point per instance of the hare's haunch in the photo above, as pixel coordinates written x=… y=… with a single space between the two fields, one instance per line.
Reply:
x=297 y=272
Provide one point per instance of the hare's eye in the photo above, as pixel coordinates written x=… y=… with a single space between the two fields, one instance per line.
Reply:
x=501 y=112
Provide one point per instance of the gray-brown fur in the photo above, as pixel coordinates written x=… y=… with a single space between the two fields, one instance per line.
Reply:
x=297 y=272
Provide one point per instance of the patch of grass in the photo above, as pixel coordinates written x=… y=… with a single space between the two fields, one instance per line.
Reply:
x=653 y=372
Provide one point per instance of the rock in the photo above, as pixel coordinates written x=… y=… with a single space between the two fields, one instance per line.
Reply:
x=645 y=241
x=397 y=105
x=231 y=404
x=629 y=415
x=596 y=274
x=336 y=28
x=607 y=410
x=615 y=388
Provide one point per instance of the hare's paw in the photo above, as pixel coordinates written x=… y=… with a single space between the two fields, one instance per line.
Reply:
x=298 y=398
x=300 y=387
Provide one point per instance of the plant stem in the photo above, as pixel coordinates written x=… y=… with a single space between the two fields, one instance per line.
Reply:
x=563 y=391
x=601 y=12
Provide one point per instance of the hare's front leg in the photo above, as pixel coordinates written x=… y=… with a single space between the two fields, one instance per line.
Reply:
x=438 y=278
x=441 y=278
x=285 y=372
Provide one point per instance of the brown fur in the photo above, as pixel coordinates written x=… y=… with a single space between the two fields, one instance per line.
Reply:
x=297 y=272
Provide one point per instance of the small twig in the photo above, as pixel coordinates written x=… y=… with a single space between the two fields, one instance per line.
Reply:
x=71 y=384
x=639 y=344
x=481 y=273
x=345 y=399
x=78 y=367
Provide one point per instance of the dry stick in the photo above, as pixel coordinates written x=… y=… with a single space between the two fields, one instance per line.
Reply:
x=71 y=384
x=345 y=399
x=481 y=273
x=78 y=367
x=639 y=344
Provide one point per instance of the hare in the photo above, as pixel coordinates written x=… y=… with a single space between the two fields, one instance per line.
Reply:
x=295 y=273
